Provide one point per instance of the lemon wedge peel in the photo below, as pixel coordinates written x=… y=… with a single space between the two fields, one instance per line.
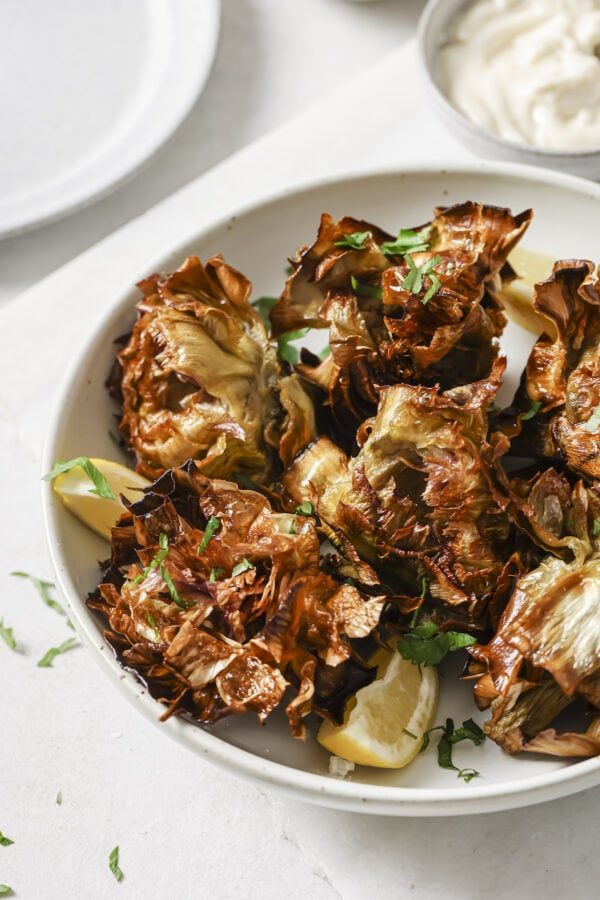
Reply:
x=517 y=296
x=385 y=721
x=99 y=513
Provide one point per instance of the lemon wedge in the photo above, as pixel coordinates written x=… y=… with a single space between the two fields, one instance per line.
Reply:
x=99 y=513
x=518 y=295
x=386 y=720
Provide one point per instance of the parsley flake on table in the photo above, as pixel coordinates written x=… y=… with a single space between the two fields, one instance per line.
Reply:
x=212 y=526
x=51 y=654
x=6 y=890
x=468 y=731
x=408 y=241
x=426 y=645
x=5 y=841
x=43 y=588
x=7 y=634
x=413 y=282
x=58 y=800
x=101 y=486
x=113 y=864
x=532 y=411
x=354 y=241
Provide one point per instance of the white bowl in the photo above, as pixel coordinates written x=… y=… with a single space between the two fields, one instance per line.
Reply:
x=258 y=240
x=433 y=29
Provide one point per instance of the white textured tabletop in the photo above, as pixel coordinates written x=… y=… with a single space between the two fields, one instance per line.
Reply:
x=186 y=829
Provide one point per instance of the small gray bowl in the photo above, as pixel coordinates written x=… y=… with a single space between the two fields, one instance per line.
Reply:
x=434 y=26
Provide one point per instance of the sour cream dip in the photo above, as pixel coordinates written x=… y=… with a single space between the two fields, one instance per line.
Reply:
x=527 y=70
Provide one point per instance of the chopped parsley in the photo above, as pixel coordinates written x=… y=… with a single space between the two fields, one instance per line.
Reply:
x=408 y=241
x=212 y=526
x=101 y=486
x=468 y=731
x=5 y=841
x=365 y=290
x=43 y=588
x=426 y=645
x=596 y=528
x=215 y=574
x=532 y=411
x=413 y=282
x=263 y=306
x=354 y=241
x=8 y=635
x=152 y=623
x=305 y=509
x=163 y=543
x=6 y=890
x=285 y=350
x=113 y=864
x=175 y=597
x=593 y=423
x=409 y=734
x=242 y=566
x=51 y=654
x=59 y=798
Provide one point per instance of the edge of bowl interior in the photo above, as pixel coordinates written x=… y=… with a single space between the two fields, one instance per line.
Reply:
x=319 y=789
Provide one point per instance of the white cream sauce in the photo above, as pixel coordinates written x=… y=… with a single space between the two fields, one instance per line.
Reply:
x=527 y=70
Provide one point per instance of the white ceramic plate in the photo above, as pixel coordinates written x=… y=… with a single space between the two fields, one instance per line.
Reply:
x=90 y=91
x=257 y=241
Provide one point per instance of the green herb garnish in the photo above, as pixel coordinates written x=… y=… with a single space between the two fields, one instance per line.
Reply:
x=212 y=526
x=6 y=890
x=113 y=864
x=101 y=486
x=593 y=423
x=409 y=734
x=596 y=528
x=365 y=290
x=215 y=574
x=427 y=646
x=532 y=411
x=263 y=306
x=354 y=241
x=285 y=350
x=51 y=654
x=324 y=353
x=5 y=841
x=408 y=241
x=305 y=509
x=175 y=597
x=469 y=731
x=8 y=635
x=152 y=623
x=163 y=543
x=413 y=282
x=242 y=566
x=43 y=588
x=58 y=800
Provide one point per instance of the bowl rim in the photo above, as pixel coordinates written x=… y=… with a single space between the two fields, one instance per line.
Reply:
x=320 y=789
x=435 y=8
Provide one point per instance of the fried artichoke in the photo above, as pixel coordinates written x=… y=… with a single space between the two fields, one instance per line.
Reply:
x=198 y=378
x=221 y=604
x=390 y=452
